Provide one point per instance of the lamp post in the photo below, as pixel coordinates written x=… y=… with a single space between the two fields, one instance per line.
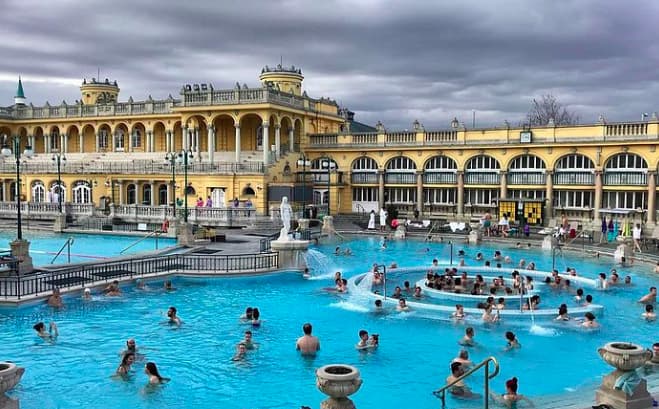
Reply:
x=59 y=159
x=19 y=248
x=330 y=165
x=170 y=158
x=183 y=157
x=304 y=162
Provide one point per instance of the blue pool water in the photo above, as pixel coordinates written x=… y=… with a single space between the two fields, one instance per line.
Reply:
x=86 y=247
x=413 y=358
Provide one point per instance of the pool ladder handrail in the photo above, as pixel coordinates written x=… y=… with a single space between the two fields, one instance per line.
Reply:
x=441 y=392
x=68 y=243
x=141 y=239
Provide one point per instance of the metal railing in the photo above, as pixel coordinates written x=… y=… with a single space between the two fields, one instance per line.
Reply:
x=155 y=233
x=140 y=167
x=66 y=245
x=98 y=272
x=441 y=392
x=264 y=243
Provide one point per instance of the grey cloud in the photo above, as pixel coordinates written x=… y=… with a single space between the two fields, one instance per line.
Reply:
x=387 y=60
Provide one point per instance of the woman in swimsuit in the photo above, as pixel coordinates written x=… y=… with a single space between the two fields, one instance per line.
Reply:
x=511 y=398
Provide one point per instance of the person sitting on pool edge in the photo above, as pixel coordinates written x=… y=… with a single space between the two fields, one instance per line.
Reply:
x=510 y=398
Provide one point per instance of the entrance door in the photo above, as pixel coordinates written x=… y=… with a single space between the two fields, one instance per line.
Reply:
x=217 y=196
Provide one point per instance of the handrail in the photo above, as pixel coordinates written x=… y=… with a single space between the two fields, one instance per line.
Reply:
x=153 y=233
x=361 y=210
x=441 y=392
x=68 y=243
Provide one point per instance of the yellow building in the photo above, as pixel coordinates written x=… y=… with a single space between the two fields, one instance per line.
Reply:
x=116 y=151
x=259 y=143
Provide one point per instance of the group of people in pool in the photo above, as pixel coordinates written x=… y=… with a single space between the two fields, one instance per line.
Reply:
x=129 y=356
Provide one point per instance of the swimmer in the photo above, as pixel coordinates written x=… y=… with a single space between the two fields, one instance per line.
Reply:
x=501 y=304
x=173 y=318
x=337 y=251
x=247 y=316
x=521 y=263
x=459 y=388
x=562 y=313
x=488 y=316
x=337 y=275
x=347 y=252
x=55 y=300
x=649 y=298
x=589 y=300
x=628 y=280
x=126 y=361
x=307 y=344
x=306 y=273
x=507 y=260
x=377 y=278
x=112 y=290
x=393 y=265
x=86 y=294
x=374 y=341
x=168 y=286
x=398 y=292
x=140 y=284
x=579 y=297
x=479 y=257
x=512 y=342
x=468 y=339
x=656 y=268
x=363 y=340
x=602 y=283
x=378 y=306
x=510 y=398
x=402 y=306
x=435 y=262
x=247 y=340
x=589 y=321
x=417 y=292
x=52 y=332
x=649 y=313
x=241 y=352
x=151 y=371
x=256 y=315
x=463 y=359
x=459 y=313
x=406 y=287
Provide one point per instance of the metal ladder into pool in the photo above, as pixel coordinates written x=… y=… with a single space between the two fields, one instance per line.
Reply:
x=441 y=392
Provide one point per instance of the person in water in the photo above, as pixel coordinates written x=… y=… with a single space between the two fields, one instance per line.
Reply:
x=52 y=332
x=649 y=313
x=308 y=344
x=55 y=300
x=562 y=313
x=241 y=352
x=173 y=318
x=363 y=340
x=511 y=397
x=468 y=339
x=512 y=342
x=248 y=341
x=463 y=358
x=256 y=317
x=589 y=321
x=151 y=371
x=459 y=388
x=127 y=360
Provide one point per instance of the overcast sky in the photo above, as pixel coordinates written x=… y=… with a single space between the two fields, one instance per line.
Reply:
x=393 y=61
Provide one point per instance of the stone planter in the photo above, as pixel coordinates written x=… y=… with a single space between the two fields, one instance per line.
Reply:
x=625 y=357
x=338 y=381
x=10 y=375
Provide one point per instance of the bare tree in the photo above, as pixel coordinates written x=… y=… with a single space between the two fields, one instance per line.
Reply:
x=548 y=108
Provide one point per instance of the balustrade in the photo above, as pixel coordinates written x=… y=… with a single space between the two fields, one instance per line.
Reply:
x=364 y=178
x=401 y=138
x=400 y=178
x=367 y=138
x=524 y=178
x=323 y=139
x=482 y=178
x=574 y=178
x=440 y=177
x=612 y=178
x=440 y=136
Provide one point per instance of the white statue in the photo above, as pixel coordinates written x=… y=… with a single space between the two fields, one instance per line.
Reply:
x=285 y=212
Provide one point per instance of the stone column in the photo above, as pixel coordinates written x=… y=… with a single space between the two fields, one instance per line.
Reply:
x=503 y=184
x=114 y=138
x=652 y=195
x=211 y=143
x=4 y=190
x=81 y=142
x=419 y=191
x=598 y=195
x=277 y=142
x=131 y=138
x=98 y=142
x=31 y=141
x=549 y=197
x=149 y=141
x=381 y=188
x=291 y=140
x=170 y=193
x=62 y=143
x=120 y=186
x=47 y=143
x=266 y=143
x=237 y=126
x=460 y=193
x=186 y=139
x=197 y=145
x=152 y=201
x=168 y=141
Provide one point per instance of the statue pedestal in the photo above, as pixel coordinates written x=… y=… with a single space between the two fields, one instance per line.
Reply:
x=60 y=223
x=303 y=224
x=475 y=236
x=184 y=235
x=291 y=253
x=338 y=381
x=626 y=358
x=328 y=225
x=21 y=250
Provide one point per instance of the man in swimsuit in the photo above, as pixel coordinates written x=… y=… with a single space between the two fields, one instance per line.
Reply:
x=55 y=300
x=307 y=344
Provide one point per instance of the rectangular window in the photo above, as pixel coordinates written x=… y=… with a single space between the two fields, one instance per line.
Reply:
x=481 y=197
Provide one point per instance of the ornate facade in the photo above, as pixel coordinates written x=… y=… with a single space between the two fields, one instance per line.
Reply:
x=244 y=141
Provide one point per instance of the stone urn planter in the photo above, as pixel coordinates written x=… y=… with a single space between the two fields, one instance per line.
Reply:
x=338 y=381
x=10 y=375
x=626 y=358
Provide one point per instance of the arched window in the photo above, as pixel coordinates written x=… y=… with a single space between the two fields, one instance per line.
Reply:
x=146 y=194
x=38 y=192
x=132 y=194
x=119 y=140
x=626 y=169
x=190 y=191
x=82 y=192
x=440 y=170
x=364 y=171
x=137 y=138
x=574 y=162
x=401 y=163
x=57 y=193
x=527 y=163
x=248 y=191
x=627 y=162
x=482 y=163
x=527 y=170
x=400 y=170
x=574 y=169
x=482 y=170
x=162 y=195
